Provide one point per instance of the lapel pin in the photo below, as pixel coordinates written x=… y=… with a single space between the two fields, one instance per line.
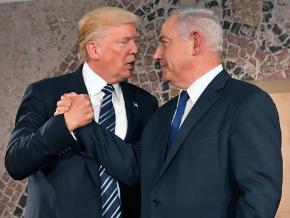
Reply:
x=135 y=104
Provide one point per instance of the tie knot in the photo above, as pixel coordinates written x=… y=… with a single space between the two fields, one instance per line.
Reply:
x=108 y=89
x=183 y=96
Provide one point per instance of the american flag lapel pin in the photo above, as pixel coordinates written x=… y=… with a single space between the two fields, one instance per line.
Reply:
x=135 y=104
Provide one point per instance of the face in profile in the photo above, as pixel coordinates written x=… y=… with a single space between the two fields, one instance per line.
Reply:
x=118 y=50
x=173 y=53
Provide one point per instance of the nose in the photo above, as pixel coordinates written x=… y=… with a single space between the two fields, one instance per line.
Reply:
x=157 y=54
x=134 y=48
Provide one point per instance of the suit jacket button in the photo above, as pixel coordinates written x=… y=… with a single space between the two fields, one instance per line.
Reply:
x=156 y=203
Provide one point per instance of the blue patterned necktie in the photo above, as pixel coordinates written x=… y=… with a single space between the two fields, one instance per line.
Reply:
x=111 y=203
x=177 y=120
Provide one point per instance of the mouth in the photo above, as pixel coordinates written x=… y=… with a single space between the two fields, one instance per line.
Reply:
x=163 y=66
x=130 y=65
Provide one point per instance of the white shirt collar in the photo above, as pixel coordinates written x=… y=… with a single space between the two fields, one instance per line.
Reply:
x=198 y=86
x=94 y=82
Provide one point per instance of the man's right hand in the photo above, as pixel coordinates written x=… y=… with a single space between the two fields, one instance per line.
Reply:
x=79 y=111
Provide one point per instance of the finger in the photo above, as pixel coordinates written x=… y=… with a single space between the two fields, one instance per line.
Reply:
x=81 y=99
x=56 y=112
x=65 y=97
x=65 y=109
x=64 y=103
x=68 y=95
x=92 y=116
x=89 y=117
x=61 y=110
x=72 y=94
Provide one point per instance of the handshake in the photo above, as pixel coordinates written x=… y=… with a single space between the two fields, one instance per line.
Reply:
x=77 y=110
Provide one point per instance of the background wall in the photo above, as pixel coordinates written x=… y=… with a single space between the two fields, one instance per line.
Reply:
x=37 y=40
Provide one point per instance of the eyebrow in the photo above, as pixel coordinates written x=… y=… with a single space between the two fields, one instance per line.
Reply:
x=130 y=38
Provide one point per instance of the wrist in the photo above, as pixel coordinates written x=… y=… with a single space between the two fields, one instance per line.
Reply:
x=69 y=123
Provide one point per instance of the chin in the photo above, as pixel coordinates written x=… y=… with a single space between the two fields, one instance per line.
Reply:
x=127 y=75
x=165 y=78
x=131 y=72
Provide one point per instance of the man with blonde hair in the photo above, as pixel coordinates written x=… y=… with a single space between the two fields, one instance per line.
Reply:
x=63 y=180
x=214 y=151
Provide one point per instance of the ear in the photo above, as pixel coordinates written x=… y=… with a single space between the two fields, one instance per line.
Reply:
x=196 y=38
x=93 y=50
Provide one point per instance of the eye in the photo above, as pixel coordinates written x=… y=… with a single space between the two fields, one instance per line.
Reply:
x=164 y=42
x=124 y=41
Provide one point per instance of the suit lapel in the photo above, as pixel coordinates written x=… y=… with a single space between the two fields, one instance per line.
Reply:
x=77 y=84
x=132 y=110
x=204 y=103
x=165 y=118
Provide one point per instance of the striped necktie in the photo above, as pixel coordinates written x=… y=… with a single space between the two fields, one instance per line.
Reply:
x=111 y=202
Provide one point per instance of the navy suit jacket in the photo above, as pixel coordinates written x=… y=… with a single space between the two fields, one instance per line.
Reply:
x=63 y=180
x=225 y=162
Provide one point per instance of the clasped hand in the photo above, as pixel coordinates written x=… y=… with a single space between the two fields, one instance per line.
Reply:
x=77 y=110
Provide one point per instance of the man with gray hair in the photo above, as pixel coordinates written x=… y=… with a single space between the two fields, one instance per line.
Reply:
x=215 y=150
x=63 y=181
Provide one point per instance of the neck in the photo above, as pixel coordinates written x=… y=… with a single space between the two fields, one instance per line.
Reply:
x=101 y=73
x=196 y=72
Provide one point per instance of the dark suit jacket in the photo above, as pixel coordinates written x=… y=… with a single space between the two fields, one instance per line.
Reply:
x=225 y=162
x=63 y=181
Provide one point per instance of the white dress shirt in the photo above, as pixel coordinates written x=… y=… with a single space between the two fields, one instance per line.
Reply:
x=197 y=87
x=94 y=84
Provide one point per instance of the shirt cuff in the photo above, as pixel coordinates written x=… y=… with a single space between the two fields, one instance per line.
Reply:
x=73 y=135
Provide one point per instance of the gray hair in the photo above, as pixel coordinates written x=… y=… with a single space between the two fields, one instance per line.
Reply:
x=202 y=20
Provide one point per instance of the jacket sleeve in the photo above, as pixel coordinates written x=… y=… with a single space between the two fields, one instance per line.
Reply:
x=36 y=139
x=256 y=157
x=119 y=158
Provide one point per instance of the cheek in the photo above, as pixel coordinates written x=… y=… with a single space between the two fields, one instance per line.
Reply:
x=172 y=62
x=120 y=59
x=116 y=62
x=173 y=67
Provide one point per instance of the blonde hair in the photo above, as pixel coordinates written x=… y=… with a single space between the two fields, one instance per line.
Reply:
x=93 y=25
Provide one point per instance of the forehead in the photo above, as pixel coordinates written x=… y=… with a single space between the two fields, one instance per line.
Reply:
x=168 y=26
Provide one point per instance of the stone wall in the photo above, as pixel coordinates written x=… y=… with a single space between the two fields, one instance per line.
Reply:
x=37 y=40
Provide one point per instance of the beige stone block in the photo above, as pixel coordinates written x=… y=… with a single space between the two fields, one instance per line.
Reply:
x=282 y=101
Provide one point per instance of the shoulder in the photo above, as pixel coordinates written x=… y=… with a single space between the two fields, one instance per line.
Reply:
x=166 y=108
x=242 y=90
x=246 y=96
x=56 y=85
x=243 y=85
x=169 y=104
x=49 y=89
x=138 y=92
x=53 y=82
